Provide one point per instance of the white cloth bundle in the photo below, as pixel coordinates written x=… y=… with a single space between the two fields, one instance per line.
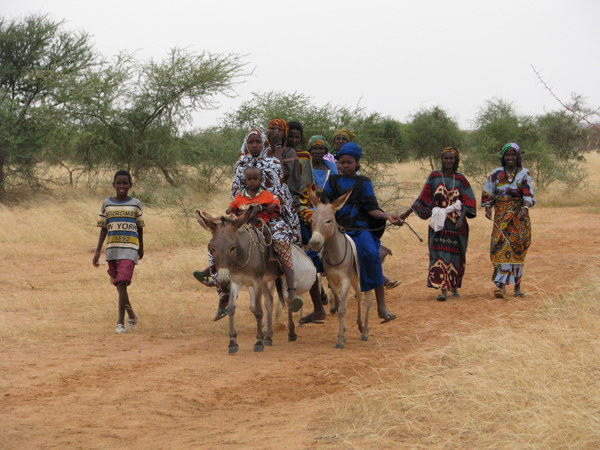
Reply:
x=438 y=215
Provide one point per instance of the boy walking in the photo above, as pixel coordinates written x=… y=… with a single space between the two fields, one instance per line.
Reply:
x=121 y=223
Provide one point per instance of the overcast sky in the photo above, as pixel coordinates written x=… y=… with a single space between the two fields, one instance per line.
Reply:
x=391 y=57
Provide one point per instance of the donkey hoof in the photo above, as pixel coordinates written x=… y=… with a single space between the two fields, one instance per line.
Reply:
x=268 y=342
x=233 y=349
x=292 y=337
x=259 y=347
x=339 y=345
x=364 y=338
x=332 y=311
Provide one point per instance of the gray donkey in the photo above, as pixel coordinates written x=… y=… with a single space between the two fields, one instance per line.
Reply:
x=241 y=257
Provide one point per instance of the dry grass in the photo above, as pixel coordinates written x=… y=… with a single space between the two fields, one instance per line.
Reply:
x=530 y=383
x=586 y=196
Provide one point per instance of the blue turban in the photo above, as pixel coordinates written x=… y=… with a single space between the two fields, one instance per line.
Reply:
x=350 y=149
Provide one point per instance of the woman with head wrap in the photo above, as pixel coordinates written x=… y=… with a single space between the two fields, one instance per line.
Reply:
x=361 y=216
x=340 y=137
x=446 y=198
x=509 y=190
x=272 y=175
x=318 y=147
x=255 y=153
x=277 y=134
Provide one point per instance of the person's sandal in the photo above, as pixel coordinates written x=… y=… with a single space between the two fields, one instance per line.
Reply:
x=387 y=317
x=220 y=314
x=132 y=322
x=296 y=302
x=203 y=277
x=498 y=293
x=391 y=284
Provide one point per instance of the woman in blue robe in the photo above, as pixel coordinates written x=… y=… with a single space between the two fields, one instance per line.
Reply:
x=363 y=220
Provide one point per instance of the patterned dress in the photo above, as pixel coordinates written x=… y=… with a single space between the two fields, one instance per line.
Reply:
x=511 y=236
x=272 y=181
x=447 y=247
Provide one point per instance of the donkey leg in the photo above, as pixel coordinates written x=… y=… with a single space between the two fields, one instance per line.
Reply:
x=342 y=298
x=292 y=336
x=233 y=345
x=268 y=318
x=258 y=314
x=367 y=299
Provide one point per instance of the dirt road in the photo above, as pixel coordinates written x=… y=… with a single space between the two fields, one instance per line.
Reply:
x=90 y=388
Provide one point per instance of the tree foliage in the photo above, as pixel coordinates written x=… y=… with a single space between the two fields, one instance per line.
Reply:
x=40 y=64
x=430 y=131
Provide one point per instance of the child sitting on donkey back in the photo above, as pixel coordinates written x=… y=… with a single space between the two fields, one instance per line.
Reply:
x=266 y=208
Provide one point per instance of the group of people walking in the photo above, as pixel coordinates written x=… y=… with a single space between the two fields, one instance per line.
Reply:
x=272 y=176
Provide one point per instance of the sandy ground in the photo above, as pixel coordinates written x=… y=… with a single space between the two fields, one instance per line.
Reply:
x=147 y=389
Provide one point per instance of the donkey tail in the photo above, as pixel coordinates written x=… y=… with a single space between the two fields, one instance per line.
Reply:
x=279 y=287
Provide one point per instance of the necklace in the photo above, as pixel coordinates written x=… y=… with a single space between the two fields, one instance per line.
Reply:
x=444 y=182
x=511 y=176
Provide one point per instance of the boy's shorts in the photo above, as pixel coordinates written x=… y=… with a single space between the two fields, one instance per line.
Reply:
x=121 y=270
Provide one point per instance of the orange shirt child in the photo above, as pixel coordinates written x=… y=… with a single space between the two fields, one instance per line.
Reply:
x=263 y=198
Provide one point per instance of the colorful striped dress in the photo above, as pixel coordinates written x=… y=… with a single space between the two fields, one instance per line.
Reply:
x=447 y=247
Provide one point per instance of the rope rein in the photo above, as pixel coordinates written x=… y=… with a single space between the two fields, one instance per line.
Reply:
x=346 y=245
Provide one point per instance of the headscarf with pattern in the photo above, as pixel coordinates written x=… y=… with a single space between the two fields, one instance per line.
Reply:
x=318 y=140
x=514 y=146
x=452 y=150
x=281 y=124
x=266 y=151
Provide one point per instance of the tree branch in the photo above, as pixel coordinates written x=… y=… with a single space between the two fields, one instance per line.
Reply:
x=563 y=104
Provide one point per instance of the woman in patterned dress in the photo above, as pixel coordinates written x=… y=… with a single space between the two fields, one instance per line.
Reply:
x=509 y=190
x=448 y=245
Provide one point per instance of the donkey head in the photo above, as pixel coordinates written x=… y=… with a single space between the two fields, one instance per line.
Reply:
x=323 y=220
x=223 y=243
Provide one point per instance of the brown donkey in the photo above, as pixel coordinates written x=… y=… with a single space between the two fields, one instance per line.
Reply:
x=241 y=258
x=340 y=262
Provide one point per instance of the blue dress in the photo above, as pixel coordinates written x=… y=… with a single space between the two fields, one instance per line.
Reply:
x=354 y=217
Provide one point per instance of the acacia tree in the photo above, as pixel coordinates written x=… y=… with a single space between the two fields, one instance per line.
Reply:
x=39 y=63
x=430 y=131
x=139 y=107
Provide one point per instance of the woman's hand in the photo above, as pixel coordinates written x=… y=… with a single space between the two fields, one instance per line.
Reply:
x=404 y=216
x=523 y=213
x=461 y=219
x=395 y=219
x=488 y=212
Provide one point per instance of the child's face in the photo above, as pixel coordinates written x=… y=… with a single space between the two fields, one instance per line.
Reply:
x=122 y=185
x=348 y=165
x=253 y=179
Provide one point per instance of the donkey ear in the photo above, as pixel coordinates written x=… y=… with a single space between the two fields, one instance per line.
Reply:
x=207 y=220
x=243 y=219
x=312 y=195
x=340 y=201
